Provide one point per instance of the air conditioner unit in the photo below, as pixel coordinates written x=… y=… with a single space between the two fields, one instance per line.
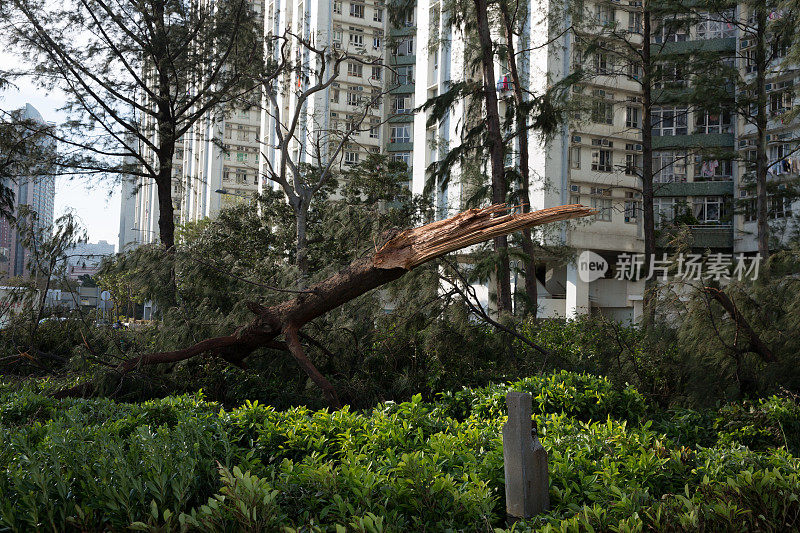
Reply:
x=574 y=188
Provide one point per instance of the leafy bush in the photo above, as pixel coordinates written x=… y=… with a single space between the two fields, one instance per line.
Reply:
x=184 y=464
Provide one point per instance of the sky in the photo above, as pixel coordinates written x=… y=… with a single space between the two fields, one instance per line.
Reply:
x=96 y=204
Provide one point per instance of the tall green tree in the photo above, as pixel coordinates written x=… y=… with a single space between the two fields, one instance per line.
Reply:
x=136 y=74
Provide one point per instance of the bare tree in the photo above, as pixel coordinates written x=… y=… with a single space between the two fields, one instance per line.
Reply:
x=307 y=153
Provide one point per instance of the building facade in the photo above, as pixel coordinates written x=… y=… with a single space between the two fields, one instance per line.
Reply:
x=39 y=194
x=699 y=153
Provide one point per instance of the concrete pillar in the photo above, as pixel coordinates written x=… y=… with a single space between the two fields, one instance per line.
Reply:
x=525 y=462
x=577 y=293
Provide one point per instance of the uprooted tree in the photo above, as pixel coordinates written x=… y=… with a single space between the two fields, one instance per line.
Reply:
x=399 y=254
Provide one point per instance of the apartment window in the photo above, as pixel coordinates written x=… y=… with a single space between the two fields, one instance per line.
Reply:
x=669 y=76
x=374 y=129
x=715 y=27
x=602 y=159
x=672 y=30
x=404 y=75
x=669 y=167
x=602 y=107
x=664 y=211
x=357 y=39
x=408 y=20
x=335 y=96
x=355 y=69
x=633 y=164
x=632 y=117
x=634 y=22
x=669 y=121
x=377 y=73
x=780 y=96
x=376 y=41
x=605 y=14
x=714 y=121
x=357 y=10
x=241 y=157
x=779 y=207
x=350 y=158
x=602 y=62
x=403 y=104
x=405 y=47
x=404 y=157
x=711 y=169
x=603 y=206
x=375 y=97
x=353 y=98
x=242 y=133
x=337 y=8
x=634 y=70
x=632 y=209
x=241 y=177
x=709 y=209
x=400 y=134
x=338 y=34
x=377 y=14
x=575 y=157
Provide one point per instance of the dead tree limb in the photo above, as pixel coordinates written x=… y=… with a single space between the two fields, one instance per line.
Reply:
x=401 y=253
x=755 y=344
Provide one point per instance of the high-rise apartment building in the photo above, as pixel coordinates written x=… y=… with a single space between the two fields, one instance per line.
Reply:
x=595 y=159
x=37 y=192
x=344 y=122
x=215 y=165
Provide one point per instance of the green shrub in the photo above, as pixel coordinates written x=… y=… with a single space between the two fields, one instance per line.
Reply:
x=184 y=464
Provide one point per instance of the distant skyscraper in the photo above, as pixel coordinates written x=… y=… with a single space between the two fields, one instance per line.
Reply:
x=38 y=192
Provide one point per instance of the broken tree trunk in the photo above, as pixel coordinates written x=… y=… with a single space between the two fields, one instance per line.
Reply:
x=400 y=254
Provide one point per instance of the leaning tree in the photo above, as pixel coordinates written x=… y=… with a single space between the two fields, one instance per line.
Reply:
x=278 y=326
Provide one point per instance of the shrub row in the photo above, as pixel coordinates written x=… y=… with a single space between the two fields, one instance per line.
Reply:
x=182 y=463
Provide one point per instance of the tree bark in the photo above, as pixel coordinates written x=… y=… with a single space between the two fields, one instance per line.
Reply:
x=495 y=145
x=531 y=290
x=301 y=234
x=762 y=223
x=400 y=254
x=647 y=159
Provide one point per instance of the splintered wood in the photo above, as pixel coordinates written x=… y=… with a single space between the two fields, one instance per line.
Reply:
x=416 y=246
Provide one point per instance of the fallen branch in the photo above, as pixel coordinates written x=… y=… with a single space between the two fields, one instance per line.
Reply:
x=755 y=344
x=401 y=253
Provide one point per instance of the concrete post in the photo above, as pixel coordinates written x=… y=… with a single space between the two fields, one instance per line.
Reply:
x=577 y=293
x=525 y=461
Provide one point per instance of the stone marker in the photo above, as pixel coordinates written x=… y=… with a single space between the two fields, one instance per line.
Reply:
x=527 y=488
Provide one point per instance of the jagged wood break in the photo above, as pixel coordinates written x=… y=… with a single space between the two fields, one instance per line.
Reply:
x=400 y=254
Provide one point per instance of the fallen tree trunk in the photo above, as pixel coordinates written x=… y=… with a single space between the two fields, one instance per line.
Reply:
x=401 y=253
